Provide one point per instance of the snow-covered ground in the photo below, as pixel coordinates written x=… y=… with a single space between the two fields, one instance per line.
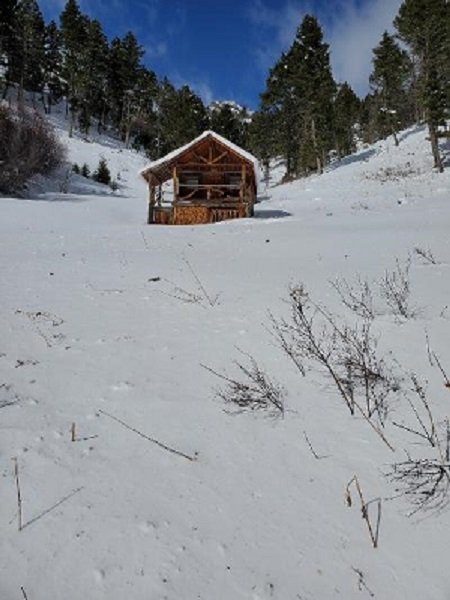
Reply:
x=95 y=322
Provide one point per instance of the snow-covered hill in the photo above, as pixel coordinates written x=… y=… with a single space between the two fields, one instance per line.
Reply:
x=103 y=317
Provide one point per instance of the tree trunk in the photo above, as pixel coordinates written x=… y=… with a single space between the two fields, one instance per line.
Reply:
x=316 y=150
x=435 y=147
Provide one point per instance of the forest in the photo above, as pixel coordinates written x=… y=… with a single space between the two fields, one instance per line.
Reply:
x=305 y=116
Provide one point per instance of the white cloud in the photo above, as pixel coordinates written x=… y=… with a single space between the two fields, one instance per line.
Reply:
x=352 y=29
x=353 y=35
x=200 y=87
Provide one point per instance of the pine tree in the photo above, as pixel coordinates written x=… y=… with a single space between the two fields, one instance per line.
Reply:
x=299 y=95
x=53 y=83
x=225 y=120
x=346 y=116
x=93 y=78
x=74 y=37
x=28 y=67
x=390 y=80
x=315 y=88
x=263 y=139
x=102 y=174
x=280 y=104
x=424 y=26
x=8 y=42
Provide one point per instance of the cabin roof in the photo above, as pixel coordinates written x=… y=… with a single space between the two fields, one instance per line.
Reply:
x=162 y=167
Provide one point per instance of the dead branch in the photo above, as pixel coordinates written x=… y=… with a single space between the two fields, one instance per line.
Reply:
x=148 y=438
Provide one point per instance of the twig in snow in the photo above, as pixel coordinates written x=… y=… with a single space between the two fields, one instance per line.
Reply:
x=24 y=594
x=426 y=254
x=19 y=495
x=313 y=452
x=148 y=438
x=52 y=508
x=211 y=301
x=373 y=532
x=362 y=583
x=434 y=359
x=73 y=432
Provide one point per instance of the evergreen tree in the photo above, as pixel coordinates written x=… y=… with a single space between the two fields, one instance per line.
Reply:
x=74 y=38
x=28 y=67
x=279 y=103
x=53 y=83
x=424 y=26
x=93 y=78
x=8 y=42
x=299 y=95
x=102 y=174
x=315 y=89
x=263 y=139
x=390 y=79
x=346 y=115
x=225 y=120
x=181 y=116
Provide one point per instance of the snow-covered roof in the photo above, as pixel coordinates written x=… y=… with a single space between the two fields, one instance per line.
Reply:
x=165 y=160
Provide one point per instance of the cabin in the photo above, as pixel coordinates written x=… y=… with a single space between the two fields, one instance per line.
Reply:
x=208 y=180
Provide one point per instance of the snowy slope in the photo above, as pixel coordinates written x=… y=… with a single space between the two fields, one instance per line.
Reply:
x=93 y=323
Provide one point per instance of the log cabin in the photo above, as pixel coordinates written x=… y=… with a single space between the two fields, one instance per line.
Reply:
x=208 y=180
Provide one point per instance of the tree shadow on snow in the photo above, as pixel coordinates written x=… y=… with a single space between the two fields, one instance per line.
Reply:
x=271 y=214
x=362 y=156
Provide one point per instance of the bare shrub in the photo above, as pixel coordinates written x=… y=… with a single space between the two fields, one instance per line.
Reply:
x=358 y=297
x=425 y=481
x=348 y=355
x=256 y=391
x=29 y=147
x=395 y=288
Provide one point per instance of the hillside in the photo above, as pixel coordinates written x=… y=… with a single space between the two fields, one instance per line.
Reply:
x=103 y=317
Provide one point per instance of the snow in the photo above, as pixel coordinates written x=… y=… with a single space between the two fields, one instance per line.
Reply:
x=93 y=318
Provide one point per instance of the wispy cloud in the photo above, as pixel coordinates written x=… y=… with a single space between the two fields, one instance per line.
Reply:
x=353 y=34
x=198 y=85
x=352 y=29
x=155 y=50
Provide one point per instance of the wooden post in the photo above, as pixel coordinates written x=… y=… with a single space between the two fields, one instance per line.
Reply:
x=176 y=189
x=151 y=203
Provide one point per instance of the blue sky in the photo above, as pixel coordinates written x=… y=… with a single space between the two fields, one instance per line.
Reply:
x=224 y=48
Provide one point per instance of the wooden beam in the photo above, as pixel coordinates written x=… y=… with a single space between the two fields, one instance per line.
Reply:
x=151 y=203
x=175 y=185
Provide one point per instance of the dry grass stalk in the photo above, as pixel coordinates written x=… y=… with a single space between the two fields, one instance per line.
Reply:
x=373 y=531
x=19 y=494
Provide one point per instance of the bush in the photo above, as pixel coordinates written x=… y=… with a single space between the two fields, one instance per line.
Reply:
x=76 y=169
x=85 y=171
x=29 y=147
x=102 y=174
